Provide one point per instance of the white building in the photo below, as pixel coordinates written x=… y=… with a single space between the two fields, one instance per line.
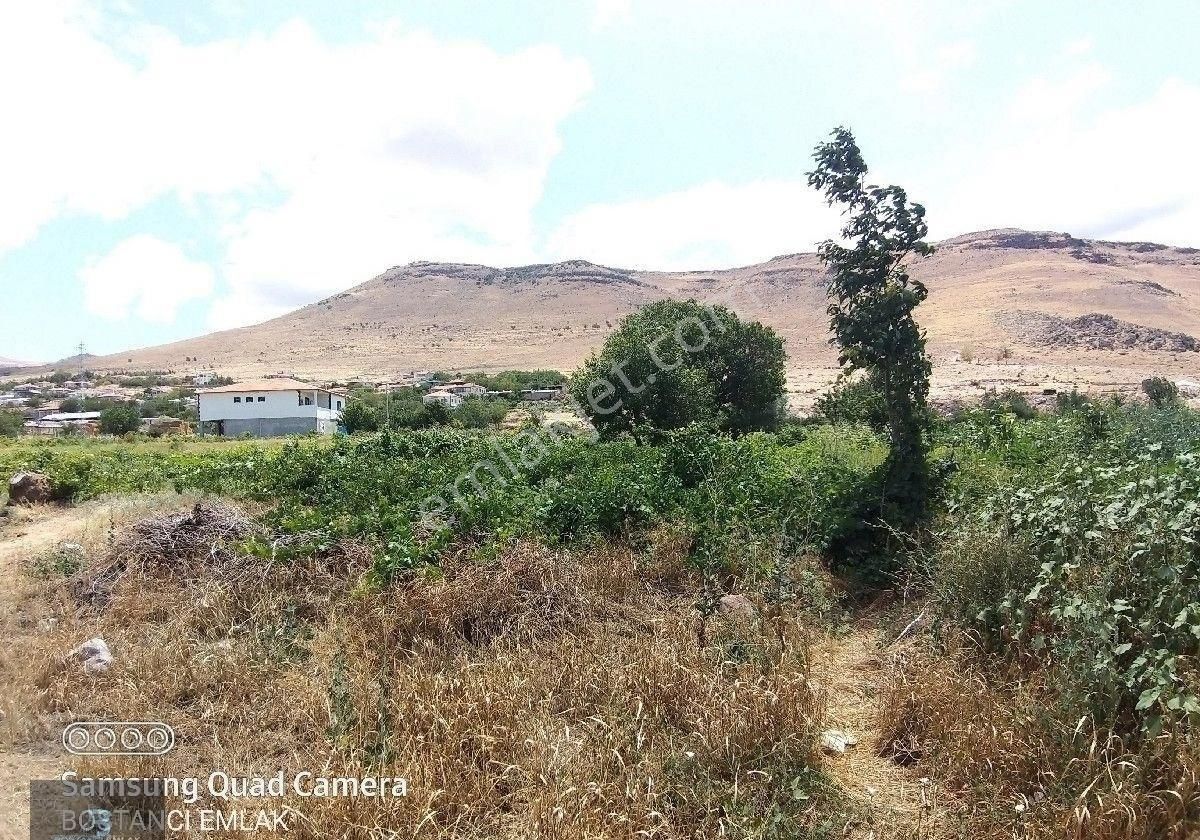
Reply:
x=461 y=387
x=270 y=408
x=446 y=398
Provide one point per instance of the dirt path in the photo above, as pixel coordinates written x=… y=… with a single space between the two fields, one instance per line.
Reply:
x=896 y=803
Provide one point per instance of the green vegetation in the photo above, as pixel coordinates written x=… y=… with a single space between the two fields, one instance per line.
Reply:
x=853 y=401
x=120 y=419
x=1060 y=574
x=404 y=408
x=675 y=363
x=1161 y=391
x=872 y=299
x=508 y=380
x=10 y=423
x=1064 y=581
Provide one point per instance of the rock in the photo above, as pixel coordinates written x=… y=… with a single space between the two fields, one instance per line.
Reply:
x=836 y=741
x=736 y=607
x=96 y=656
x=29 y=488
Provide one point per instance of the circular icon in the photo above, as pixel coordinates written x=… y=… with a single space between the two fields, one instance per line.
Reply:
x=78 y=739
x=131 y=738
x=158 y=739
x=105 y=738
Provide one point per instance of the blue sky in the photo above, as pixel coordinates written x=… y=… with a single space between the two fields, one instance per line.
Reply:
x=167 y=169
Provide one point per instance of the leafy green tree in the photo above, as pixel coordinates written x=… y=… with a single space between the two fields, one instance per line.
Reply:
x=1162 y=392
x=425 y=416
x=359 y=416
x=674 y=363
x=480 y=412
x=71 y=405
x=872 y=298
x=120 y=419
x=11 y=423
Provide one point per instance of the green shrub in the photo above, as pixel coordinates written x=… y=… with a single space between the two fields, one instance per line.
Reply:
x=851 y=402
x=120 y=419
x=676 y=363
x=1161 y=391
x=1010 y=402
x=11 y=423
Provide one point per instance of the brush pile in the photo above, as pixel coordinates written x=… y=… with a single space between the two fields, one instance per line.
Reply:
x=208 y=532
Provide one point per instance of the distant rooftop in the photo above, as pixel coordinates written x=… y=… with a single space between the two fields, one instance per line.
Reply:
x=280 y=384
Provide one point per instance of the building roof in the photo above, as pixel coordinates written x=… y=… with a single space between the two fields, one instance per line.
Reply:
x=281 y=384
x=73 y=416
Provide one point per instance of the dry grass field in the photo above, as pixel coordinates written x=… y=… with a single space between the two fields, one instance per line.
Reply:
x=544 y=694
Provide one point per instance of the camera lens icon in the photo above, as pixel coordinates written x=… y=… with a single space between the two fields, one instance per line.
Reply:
x=125 y=737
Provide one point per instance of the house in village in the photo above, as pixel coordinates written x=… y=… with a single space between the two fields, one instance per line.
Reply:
x=58 y=423
x=270 y=408
x=557 y=392
x=446 y=398
x=451 y=394
x=461 y=387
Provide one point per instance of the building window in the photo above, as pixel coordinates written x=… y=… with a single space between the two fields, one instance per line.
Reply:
x=339 y=403
x=237 y=399
x=262 y=399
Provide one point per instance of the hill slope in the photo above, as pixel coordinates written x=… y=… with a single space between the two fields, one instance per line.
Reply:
x=1047 y=298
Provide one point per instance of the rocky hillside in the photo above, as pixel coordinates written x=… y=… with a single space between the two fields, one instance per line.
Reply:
x=1044 y=297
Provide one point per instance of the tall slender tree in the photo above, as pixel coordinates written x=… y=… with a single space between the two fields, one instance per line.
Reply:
x=871 y=303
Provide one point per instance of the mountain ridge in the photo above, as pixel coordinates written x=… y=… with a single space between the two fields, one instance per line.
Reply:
x=983 y=287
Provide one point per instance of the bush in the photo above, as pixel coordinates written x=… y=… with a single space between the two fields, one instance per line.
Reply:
x=358 y=416
x=480 y=412
x=1161 y=391
x=11 y=423
x=1009 y=402
x=1071 y=401
x=120 y=419
x=675 y=363
x=854 y=402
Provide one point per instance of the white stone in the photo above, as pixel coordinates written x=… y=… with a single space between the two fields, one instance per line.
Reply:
x=836 y=741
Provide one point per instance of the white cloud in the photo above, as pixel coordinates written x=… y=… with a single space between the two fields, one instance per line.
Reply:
x=1078 y=47
x=1054 y=162
x=1125 y=172
x=143 y=272
x=1042 y=101
x=352 y=157
x=611 y=12
x=932 y=75
x=712 y=225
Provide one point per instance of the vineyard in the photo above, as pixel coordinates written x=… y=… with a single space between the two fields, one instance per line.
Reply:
x=531 y=626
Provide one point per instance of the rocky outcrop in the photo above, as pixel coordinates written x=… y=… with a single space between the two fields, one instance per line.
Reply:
x=1095 y=331
x=29 y=488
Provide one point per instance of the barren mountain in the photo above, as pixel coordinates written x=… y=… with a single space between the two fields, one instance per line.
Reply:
x=1046 y=300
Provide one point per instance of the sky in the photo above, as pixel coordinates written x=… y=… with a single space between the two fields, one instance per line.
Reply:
x=171 y=168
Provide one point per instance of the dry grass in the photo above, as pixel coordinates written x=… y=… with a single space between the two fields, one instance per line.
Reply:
x=536 y=694
x=1006 y=746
